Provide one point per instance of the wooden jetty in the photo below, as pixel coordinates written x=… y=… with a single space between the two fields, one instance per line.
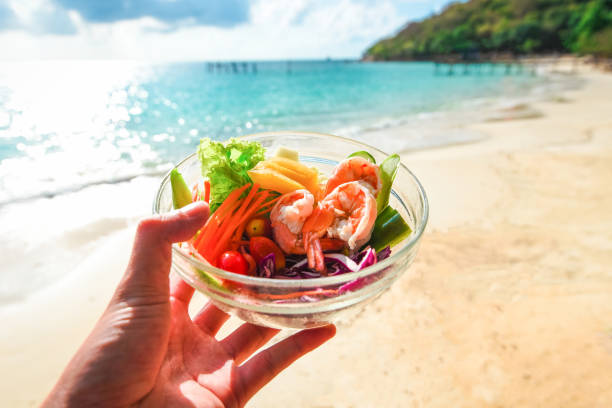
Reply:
x=232 y=67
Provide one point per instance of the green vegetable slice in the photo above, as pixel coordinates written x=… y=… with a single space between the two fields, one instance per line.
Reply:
x=365 y=155
x=389 y=229
x=388 y=170
x=181 y=195
x=212 y=281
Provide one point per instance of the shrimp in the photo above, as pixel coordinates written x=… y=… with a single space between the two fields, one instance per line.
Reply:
x=347 y=213
x=288 y=217
x=355 y=169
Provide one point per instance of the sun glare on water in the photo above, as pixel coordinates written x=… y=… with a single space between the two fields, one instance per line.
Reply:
x=67 y=120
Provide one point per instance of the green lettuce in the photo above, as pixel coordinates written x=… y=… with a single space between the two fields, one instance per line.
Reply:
x=225 y=165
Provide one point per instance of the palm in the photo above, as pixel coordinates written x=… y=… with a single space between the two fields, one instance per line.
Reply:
x=198 y=369
x=147 y=351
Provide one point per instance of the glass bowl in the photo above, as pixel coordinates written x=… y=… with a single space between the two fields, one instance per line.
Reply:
x=302 y=303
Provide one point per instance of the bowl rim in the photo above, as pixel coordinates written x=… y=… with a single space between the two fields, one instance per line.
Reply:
x=292 y=283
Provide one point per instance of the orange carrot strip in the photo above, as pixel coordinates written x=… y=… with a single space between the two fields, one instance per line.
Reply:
x=217 y=220
x=231 y=199
x=267 y=206
x=231 y=224
x=207 y=191
x=216 y=225
x=197 y=238
x=245 y=218
x=212 y=226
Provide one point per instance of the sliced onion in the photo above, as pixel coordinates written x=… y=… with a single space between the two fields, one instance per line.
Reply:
x=344 y=260
x=299 y=264
x=309 y=274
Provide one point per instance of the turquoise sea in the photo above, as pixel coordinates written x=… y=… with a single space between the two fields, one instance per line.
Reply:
x=68 y=124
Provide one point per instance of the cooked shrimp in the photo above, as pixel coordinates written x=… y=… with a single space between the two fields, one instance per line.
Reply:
x=288 y=217
x=347 y=213
x=355 y=169
x=314 y=228
x=354 y=208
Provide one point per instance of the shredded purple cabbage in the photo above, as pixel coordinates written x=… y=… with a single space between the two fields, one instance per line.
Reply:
x=336 y=264
x=267 y=266
x=384 y=253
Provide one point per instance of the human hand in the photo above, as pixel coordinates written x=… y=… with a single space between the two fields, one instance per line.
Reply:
x=146 y=350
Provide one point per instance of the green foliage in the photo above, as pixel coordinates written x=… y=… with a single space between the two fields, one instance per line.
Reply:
x=505 y=26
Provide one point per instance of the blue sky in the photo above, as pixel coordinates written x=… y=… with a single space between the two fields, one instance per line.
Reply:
x=200 y=29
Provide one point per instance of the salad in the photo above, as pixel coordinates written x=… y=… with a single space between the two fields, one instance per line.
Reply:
x=278 y=218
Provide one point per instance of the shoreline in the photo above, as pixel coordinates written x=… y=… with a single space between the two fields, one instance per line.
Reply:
x=500 y=300
x=591 y=61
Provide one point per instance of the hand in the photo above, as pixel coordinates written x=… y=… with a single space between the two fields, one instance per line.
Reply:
x=145 y=350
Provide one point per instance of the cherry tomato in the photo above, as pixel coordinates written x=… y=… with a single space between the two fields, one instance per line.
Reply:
x=262 y=246
x=258 y=227
x=232 y=261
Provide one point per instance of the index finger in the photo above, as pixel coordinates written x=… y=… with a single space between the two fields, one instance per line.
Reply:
x=266 y=365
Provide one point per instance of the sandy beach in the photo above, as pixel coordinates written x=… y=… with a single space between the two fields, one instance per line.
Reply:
x=509 y=305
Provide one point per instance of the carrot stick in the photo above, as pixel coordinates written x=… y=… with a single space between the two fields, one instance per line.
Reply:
x=267 y=206
x=225 y=208
x=207 y=191
x=209 y=231
x=245 y=218
x=231 y=199
x=197 y=238
x=212 y=226
x=232 y=222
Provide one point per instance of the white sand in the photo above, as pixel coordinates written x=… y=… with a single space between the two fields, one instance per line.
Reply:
x=511 y=304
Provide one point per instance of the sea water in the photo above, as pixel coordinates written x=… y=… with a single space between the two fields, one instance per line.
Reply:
x=69 y=124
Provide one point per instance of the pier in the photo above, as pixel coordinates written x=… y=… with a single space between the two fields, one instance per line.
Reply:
x=232 y=67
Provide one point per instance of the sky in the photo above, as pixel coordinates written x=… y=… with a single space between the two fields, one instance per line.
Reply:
x=175 y=30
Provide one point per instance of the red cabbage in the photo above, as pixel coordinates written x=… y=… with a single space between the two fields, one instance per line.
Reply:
x=384 y=253
x=352 y=285
x=267 y=266
x=368 y=259
x=336 y=264
x=344 y=260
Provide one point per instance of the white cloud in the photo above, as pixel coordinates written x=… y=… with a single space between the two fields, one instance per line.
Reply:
x=276 y=30
x=41 y=17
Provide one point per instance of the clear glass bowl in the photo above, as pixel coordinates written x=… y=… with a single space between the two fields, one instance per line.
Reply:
x=302 y=303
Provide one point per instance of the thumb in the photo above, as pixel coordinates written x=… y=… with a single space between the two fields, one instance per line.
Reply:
x=149 y=267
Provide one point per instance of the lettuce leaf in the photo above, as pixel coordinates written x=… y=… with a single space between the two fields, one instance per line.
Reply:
x=226 y=166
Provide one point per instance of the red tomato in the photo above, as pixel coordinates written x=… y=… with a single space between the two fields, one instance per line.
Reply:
x=232 y=261
x=262 y=246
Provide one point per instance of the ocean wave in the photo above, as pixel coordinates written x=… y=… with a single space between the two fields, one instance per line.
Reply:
x=72 y=188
